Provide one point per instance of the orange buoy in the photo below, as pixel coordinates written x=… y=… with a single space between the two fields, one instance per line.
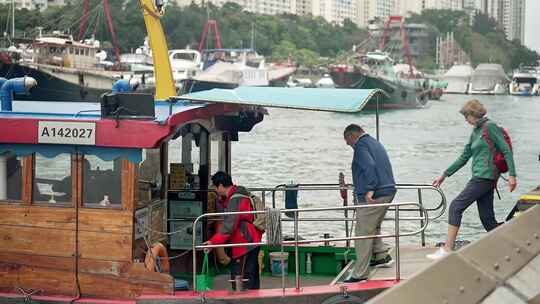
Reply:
x=157 y=251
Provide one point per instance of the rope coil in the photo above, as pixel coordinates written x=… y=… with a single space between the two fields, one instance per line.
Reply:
x=274 y=235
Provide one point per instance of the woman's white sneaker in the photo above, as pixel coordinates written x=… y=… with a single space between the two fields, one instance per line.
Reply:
x=439 y=254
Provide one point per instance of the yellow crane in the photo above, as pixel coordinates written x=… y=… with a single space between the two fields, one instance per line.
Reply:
x=152 y=12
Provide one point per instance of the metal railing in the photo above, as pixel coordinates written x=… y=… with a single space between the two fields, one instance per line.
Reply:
x=420 y=188
x=394 y=206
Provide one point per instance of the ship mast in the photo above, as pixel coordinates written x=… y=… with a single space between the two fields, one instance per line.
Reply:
x=84 y=20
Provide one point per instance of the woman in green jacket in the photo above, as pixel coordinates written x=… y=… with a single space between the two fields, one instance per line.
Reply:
x=484 y=174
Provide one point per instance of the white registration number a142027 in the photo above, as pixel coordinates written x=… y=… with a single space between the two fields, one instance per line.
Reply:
x=65 y=132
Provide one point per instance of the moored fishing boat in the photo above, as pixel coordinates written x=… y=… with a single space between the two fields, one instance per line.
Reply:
x=66 y=70
x=376 y=71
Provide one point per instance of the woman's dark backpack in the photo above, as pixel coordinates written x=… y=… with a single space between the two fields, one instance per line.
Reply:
x=498 y=156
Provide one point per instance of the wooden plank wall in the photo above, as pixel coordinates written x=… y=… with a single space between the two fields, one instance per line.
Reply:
x=38 y=251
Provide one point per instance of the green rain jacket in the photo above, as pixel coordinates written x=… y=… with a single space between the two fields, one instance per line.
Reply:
x=482 y=156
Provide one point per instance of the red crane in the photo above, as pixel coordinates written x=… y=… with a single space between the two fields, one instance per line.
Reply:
x=404 y=38
x=210 y=24
x=84 y=20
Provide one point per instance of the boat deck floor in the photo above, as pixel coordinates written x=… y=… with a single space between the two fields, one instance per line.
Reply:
x=413 y=260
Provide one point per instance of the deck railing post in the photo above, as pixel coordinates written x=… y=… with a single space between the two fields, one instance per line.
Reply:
x=194 y=257
x=423 y=234
x=296 y=257
x=396 y=232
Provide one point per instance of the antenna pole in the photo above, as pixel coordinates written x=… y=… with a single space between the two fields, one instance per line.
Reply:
x=12 y=19
x=252 y=36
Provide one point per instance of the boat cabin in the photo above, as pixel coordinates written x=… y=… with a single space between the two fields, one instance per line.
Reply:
x=64 y=52
x=83 y=192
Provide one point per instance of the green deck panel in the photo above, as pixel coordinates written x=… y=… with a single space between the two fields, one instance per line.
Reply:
x=325 y=260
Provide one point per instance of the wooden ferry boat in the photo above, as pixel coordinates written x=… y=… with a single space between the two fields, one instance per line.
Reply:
x=87 y=191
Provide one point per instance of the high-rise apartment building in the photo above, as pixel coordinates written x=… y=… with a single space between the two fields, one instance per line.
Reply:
x=513 y=19
x=269 y=7
x=367 y=10
x=493 y=8
x=510 y=14
x=20 y=4
x=335 y=11
x=304 y=7
x=33 y=4
x=404 y=7
x=443 y=4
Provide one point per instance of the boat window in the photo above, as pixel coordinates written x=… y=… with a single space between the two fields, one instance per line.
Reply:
x=214 y=153
x=102 y=182
x=52 y=180
x=13 y=169
x=188 y=160
x=86 y=52
x=150 y=177
x=185 y=56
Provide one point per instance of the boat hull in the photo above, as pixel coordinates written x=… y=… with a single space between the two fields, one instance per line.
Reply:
x=54 y=85
x=457 y=86
x=517 y=90
x=360 y=293
x=497 y=89
x=401 y=94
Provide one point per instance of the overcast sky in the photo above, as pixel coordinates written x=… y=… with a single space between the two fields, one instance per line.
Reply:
x=532 y=25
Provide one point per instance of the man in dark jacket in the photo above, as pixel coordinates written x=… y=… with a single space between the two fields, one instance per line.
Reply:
x=373 y=184
x=237 y=229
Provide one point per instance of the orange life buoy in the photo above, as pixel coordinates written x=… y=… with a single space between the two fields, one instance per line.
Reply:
x=157 y=250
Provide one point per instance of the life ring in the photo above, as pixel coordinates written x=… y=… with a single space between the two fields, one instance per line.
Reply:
x=155 y=252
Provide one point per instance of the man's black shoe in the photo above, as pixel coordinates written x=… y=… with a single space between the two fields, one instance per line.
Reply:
x=354 y=280
x=384 y=262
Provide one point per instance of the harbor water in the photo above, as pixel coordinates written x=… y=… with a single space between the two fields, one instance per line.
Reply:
x=308 y=147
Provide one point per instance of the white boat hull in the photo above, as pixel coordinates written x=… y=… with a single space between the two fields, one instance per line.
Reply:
x=498 y=89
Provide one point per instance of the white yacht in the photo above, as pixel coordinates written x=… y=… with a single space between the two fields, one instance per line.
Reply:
x=525 y=82
x=185 y=63
x=325 y=82
x=242 y=67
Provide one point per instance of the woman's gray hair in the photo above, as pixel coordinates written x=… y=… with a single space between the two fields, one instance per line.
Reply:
x=473 y=108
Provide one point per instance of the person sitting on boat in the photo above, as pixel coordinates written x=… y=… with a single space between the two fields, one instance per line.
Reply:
x=237 y=229
x=481 y=186
x=374 y=183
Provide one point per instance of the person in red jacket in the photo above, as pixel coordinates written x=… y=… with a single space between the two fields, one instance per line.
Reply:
x=238 y=229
